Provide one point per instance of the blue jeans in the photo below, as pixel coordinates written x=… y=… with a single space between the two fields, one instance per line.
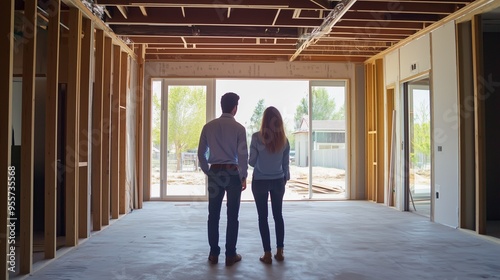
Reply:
x=220 y=182
x=260 y=190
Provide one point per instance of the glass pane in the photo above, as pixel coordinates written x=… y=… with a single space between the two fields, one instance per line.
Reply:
x=288 y=96
x=420 y=143
x=186 y=117
x=156 y=139
x=328 y=157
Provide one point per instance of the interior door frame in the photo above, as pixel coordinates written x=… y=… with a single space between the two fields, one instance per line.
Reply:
x=347 y=113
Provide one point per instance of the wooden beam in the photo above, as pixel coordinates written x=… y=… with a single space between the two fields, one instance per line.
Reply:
x=85 y=117
x=479 y=123
x=6 y=71
x=379 y=123
x=219 y=31
x=115 y=133
x=141 y=52
x=200 y=3
x=143 y=11
x=51 y=109
x=123 y=129
x=106 y=122
x=97 y=131
x=123 y=10
x=72 y=159
x=27 y=135
x=99 y=24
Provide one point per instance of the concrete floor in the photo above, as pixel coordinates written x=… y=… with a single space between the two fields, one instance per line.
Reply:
x=342 y=240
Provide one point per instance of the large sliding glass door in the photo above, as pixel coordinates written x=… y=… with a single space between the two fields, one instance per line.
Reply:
x=314 y=113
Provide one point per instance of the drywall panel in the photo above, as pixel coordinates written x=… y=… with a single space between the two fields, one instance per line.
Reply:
x=415 y=57
x=391 y=67
x=444 y=100
x=294 y=70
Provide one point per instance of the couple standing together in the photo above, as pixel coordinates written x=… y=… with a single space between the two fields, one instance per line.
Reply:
x=223 y=156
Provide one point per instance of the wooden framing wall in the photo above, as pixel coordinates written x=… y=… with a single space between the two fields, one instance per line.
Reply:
x=85 y=94
x=375 y=118
x=479 y=124
x=72 y=160
x=380 y=127
x=27 y=136
x=115 y=133
x=139 y=130
x=97 y=132
x=106 y=119
x=81 y=137
x=51 y=109
x=371 y=168
x=6 y=71
x=123 y=132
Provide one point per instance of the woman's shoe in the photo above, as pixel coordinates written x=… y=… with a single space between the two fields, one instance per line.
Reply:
x=279 y=255
x=267 y=258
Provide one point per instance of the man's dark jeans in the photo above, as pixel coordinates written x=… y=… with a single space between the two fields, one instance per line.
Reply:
x=260 y=190
x=220 y=182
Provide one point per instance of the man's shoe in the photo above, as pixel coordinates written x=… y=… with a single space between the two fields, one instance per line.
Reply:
x=232 y=260
x=213 y=259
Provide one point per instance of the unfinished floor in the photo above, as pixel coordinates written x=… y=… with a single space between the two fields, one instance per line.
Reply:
x=342 y=240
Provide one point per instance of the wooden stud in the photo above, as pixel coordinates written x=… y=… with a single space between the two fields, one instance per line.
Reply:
x=139 y=130
x=479 y=123
x=51 y=108
x=106 y=122
x=115 y=133
x=72 y=126
x=123 y=116
x=6 y=70
x=27 y=136
x=85 y=94
x=97 y=132
x=379 y=119
x=390 y=149
x=147 y=136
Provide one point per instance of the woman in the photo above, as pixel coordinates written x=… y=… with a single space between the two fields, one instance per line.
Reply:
x=269 y=155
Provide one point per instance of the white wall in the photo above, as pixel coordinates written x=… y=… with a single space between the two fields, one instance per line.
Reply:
x=444 y=100
x=391 y=67
x=416 y=52
x=440 y=59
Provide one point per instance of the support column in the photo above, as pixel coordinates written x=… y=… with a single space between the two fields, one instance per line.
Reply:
x=115 y=133
x=7 y=58
x=86 y=82
x=123 y=134
x=27 y=136
x=51 y=130
x=72 y=160
x=106 y=119
x=97 y=132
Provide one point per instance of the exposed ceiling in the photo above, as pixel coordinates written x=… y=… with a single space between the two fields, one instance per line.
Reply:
x=270 y=30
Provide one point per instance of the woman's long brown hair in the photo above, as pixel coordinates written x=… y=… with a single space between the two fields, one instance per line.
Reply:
x=272 y=130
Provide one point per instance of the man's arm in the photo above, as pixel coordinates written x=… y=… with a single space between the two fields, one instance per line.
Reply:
x=242 y=152
x=202 y=150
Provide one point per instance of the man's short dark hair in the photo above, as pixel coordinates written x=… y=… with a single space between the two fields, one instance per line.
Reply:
x=228 y=101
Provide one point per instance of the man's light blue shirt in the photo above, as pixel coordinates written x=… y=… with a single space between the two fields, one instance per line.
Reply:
x=223 y=141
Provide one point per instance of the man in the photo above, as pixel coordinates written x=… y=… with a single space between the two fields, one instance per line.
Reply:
x=223 y=145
